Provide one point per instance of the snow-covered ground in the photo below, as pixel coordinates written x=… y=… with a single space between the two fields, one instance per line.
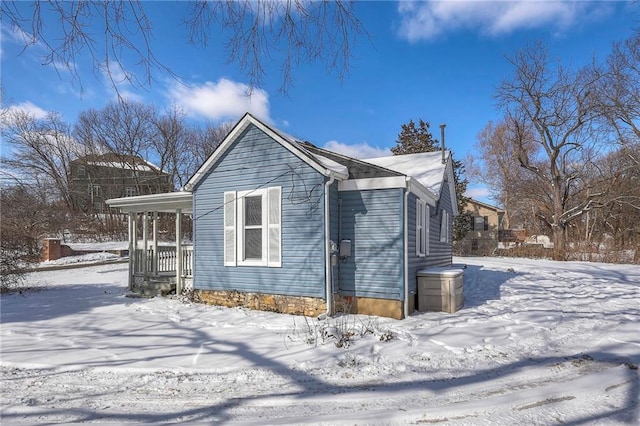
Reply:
x=538 y=342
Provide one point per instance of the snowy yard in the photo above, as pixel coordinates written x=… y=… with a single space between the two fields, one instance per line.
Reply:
x=538 y=342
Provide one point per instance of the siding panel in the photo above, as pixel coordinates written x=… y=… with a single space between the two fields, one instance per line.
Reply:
x=256 y=161
x=440 y=254
x=372 y=220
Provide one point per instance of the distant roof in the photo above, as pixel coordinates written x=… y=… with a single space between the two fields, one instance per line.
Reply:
x=118 y=161
x=426 y=167
x=485 y=205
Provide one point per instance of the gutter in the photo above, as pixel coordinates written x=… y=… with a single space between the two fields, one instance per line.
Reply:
x=327 y=243
x=406 y=253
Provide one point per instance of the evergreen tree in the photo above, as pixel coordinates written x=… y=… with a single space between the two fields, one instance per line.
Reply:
x=413 y=140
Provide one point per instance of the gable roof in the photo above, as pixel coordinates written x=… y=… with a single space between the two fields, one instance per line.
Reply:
x=324 y=165
x=425 y=172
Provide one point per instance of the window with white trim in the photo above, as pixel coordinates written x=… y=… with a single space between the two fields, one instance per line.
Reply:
x=252 y=228
x=445 y=233
x=422 y=228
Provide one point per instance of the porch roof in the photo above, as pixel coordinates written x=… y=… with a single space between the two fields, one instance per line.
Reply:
x=167 y=202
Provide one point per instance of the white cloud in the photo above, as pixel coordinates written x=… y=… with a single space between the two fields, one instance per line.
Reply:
x=223 y=100
x=119 y=80
x=18 y=36
x=428 y=20
x=28 y=108
x=359 y=150
x=478 y=193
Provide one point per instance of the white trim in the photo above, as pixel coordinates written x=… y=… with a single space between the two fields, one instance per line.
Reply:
x=427 y=222
x=445 y=227
x=275 y=225
x=372 y=183
x=414 y=186
x=294 y=150
x=405 y=182
x=240 y=227
x=421 y=226
x=327 y=250
x=233 y=136
x=450 y=180
x=237 y=231
x=165 y=202
x=178 y=252
x=406 y=254
x=229 y=231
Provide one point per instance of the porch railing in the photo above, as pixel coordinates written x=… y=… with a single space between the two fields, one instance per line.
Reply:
x=166 y=260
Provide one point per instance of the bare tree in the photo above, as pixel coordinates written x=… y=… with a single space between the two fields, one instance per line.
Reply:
x=558 y=106
x=289 y=31
x=40 y=150
x=619 y=90
x=495 y=164
x=28 y=214
x=173 y=145
x=203 y=142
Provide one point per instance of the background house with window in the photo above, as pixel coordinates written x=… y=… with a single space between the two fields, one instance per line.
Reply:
x=486 y=229
x=96 y=178
x=282 y=225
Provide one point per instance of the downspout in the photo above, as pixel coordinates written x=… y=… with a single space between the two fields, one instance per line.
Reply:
x=406 y=251
x=327 y=243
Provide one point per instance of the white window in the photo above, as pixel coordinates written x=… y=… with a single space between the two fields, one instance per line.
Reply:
x=130 y=191
x=422 y=228
x=445 y=235
x=252 y=228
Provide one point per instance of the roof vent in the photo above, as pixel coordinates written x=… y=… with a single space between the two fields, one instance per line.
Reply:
x=444 y=156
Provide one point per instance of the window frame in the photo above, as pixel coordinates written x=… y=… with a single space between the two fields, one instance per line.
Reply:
x=445 y=227
x=242 y=227
x=422 y=228
x=235 y=227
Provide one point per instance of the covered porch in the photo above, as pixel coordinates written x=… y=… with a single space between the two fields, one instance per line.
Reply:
x=157 y=267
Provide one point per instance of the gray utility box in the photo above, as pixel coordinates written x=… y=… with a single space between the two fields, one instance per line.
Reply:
x=440 y=289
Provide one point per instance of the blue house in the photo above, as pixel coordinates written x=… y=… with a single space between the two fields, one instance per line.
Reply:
x=282 y=225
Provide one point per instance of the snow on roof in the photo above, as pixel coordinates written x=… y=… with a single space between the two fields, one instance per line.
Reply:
x=334 y=166
x=425 y=167
x=144 y=167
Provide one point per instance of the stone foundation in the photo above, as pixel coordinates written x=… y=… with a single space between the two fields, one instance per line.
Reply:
x=295 y=305
x=370 y=306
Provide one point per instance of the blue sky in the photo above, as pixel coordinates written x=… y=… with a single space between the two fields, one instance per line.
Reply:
x=439 y=61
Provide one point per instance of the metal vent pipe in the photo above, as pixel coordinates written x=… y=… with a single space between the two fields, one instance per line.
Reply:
x=444 y=159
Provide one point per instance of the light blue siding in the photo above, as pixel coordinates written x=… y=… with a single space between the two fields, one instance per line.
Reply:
x=439 y=253
x=257 y=161
x=373 y=221
x=334 y=223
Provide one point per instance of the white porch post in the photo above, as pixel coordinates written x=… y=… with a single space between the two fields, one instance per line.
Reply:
x=178 y=251
x=145 y=244
x=132 y=247
x=154 y=259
